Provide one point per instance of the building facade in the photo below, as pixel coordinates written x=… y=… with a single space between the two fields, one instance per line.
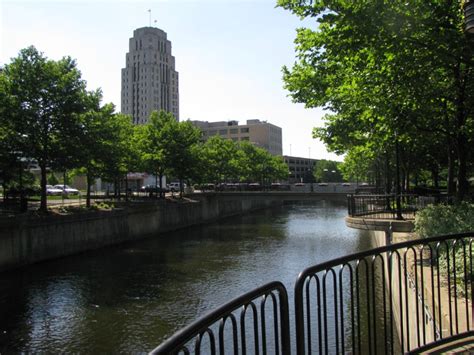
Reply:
x=261 y=133
x=301 y=169
x=149 y=79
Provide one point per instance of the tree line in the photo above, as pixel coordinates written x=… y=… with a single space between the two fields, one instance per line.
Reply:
x=397 y=81
x=47 y=115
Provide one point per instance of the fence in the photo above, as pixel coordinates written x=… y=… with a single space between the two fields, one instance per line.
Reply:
x=382 y=206
x=399 y=298
x=213 y=332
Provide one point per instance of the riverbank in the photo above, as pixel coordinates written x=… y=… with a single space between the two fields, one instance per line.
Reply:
x=27 y=239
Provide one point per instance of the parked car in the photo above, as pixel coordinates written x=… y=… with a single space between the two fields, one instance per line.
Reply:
x=68 y=190
x=279 y=186
x=299 y=184
x=346 y=184
x=53 y=190
x=323 y=184
x=174 y=186
x=153 y=188
x=254 y=186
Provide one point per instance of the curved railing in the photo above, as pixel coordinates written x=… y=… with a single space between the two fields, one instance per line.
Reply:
x=226 y=327
x=399 y=298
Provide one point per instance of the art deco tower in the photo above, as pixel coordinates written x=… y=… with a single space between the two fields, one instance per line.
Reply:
x=149 y=79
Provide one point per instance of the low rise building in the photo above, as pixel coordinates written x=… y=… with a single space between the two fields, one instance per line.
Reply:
x=300 y=169
x=261 y=133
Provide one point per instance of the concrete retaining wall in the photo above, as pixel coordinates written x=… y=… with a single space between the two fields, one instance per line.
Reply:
x=27 y=239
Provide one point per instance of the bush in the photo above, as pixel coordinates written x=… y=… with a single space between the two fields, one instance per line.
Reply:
x=445 y=219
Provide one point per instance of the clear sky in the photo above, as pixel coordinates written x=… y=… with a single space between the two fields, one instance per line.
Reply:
x=229 y=54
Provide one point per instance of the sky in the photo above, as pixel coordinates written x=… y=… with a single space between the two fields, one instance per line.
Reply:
x=229 y=54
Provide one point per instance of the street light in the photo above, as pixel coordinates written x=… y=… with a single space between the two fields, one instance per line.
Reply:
x=469 y=17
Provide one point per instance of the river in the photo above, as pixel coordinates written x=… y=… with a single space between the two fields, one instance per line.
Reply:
x=129 y=298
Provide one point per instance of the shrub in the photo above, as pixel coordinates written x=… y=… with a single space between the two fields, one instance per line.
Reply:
x=444 y=219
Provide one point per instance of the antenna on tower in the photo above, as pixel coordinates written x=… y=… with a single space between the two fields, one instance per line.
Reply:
x=149 y=15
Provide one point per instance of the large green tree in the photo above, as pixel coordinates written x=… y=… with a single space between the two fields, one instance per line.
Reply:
x=152 y=145
x=218 y=156
x=180 y=153
x=46 y=99
x=396 y=77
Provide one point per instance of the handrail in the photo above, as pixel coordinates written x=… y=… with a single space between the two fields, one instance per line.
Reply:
x=417 y=292
x=201 y=326
x=426 y=303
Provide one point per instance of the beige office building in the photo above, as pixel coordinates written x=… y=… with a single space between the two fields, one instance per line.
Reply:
x=263 y=134
x=149 y=79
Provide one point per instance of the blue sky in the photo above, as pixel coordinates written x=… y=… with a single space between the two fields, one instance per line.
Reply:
x=229 y=54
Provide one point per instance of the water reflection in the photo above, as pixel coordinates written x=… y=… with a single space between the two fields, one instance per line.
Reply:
x=130 y=297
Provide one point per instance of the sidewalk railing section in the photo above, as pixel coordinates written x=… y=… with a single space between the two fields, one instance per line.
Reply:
x=383 y=206
x=256 y=321
x=398 y=298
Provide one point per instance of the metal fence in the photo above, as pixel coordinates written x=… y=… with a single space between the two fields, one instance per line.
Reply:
x=239 y=327
x=399 y=298
x=382 y=206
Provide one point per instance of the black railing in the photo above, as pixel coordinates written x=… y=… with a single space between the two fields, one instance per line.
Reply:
x=383 y=206
x=227 y=328
x=399 y=298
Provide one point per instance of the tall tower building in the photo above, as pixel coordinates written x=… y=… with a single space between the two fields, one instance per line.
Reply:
x=149 y=79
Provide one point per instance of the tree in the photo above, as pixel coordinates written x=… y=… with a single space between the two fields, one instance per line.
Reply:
x=218 y=156
x=96 y=141
x=392 y=75
x=122 y=152
x=47 y=97
x=151 y=145
x=179 y=140
x=327 y=171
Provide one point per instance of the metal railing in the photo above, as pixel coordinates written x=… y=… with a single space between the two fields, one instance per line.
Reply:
x=225 y=329
x=382 y=206
x=390 y=299
x=398 y=298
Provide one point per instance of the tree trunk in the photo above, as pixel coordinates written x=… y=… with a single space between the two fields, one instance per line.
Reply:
x=388 y=182
x=462 y=183
x=88 y=193
x=43 y=203
x=451 y=162
x=126 y=188
x=160 y=175
x=435 y=177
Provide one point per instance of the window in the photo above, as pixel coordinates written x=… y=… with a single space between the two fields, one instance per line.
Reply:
x=244 y=130
x=223 y=132
x=234 y=130
x=212 y=132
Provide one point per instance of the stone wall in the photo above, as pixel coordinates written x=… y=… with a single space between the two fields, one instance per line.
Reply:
x=29 y=239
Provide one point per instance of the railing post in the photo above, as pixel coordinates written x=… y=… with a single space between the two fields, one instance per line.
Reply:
x=389 y=235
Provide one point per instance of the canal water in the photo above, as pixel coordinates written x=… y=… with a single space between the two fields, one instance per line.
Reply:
x=129 y=298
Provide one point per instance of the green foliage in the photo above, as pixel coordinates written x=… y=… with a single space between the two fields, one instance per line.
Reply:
x=444 y=219
x=219 y=159
x=401 y=71
x=327 y=171
x=52 y=179
x=44 y=99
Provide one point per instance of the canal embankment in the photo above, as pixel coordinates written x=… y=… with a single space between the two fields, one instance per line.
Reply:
x=28 y=239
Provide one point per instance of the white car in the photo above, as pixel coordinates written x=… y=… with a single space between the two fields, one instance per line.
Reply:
x=52 y=190
x=68 y=190
x=174 y=186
